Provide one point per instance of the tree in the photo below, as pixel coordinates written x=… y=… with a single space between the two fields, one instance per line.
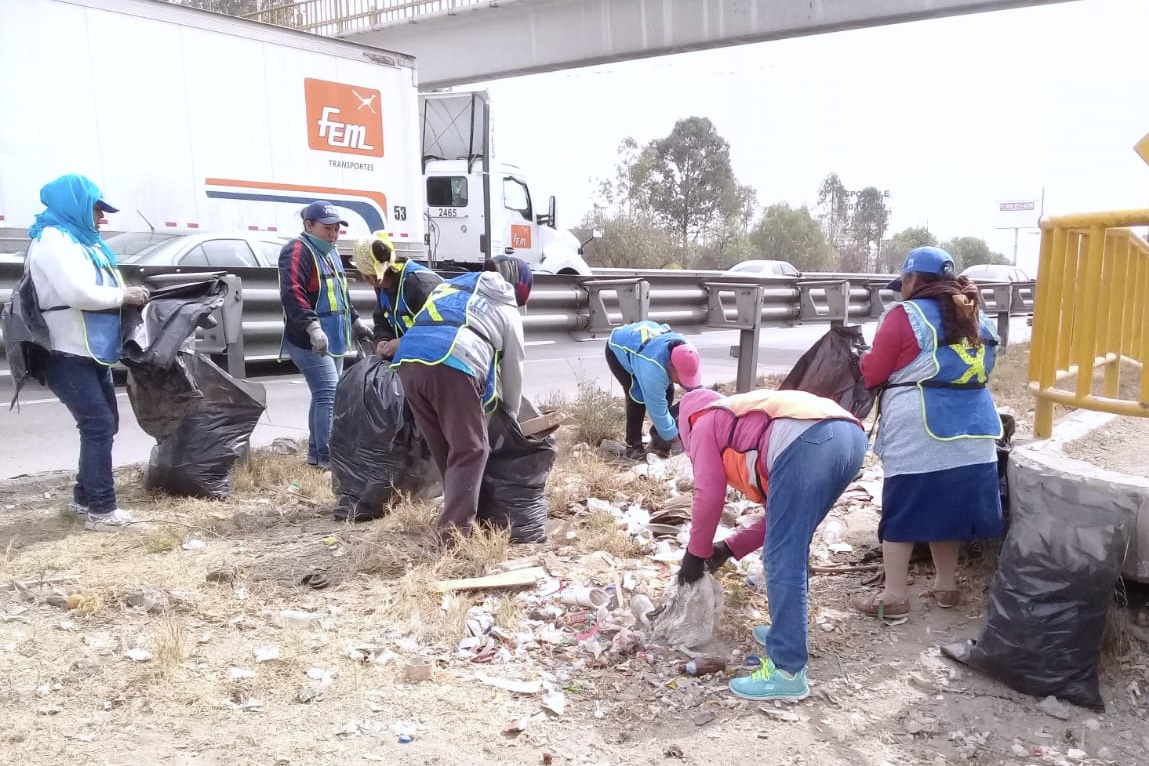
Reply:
x=868 y=222
x=896 y=248
x=971 y=251
x=286 y=14
x=687 y=181
x=792 y=234
x=834 y=209
x=629 y=240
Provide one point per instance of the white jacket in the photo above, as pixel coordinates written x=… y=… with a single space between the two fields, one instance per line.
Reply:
x=64 y=275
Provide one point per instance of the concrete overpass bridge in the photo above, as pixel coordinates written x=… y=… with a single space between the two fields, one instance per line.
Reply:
x=466 y=41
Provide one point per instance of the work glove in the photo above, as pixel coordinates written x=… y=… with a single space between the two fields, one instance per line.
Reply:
x=360 y=330
x=136 y=295
x=664 y=448
x=691 y=570
x=318 y=338
x=720 y=556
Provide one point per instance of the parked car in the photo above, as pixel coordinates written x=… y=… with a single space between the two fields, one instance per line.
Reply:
x=764 y=268
x=992 y=272
x=224 y=250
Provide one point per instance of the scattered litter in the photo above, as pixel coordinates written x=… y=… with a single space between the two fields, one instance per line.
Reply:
x=555 y=702
x=240 y=674
x=704 y=718
x=520 y=578
x=138 y=655
x=267 y=653
x=292 y=618
x=194 y=545
x=510 y=685
x=1055 y=707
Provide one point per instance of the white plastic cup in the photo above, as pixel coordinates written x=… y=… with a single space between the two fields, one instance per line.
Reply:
x=595 y=598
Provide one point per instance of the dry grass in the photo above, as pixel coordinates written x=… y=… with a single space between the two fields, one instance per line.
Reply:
x=601 y=532
x=577 y=476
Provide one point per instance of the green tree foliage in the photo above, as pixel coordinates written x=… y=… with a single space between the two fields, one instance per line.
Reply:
x=869 y=220
x=687 y=182
x=792 y=234
x=629 y=240
x=896 y=248
x=971 y=251
x=834 y=210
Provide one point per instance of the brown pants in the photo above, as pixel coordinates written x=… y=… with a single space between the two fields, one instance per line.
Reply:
x=448 y=409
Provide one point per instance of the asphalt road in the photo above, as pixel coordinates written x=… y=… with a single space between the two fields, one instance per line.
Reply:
x=41 y=435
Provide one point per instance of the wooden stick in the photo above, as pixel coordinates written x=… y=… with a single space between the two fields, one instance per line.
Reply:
x=519 y=578
x=814 y=569
x=29 y=584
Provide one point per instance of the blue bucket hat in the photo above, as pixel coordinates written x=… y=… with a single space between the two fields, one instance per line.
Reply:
x=924 y=260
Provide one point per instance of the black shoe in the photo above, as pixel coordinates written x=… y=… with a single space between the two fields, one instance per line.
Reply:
x=357 y=514
x=635 y=453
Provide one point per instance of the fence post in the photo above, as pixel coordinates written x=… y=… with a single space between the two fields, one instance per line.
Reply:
x=748 y=321
x=1002 y=302
x=837 y=294
x=633 y=296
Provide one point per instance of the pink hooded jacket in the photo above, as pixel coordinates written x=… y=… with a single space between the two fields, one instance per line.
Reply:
x=704 y=441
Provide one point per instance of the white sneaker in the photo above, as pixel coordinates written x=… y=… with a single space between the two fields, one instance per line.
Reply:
x=109 y=522
x=76 y=508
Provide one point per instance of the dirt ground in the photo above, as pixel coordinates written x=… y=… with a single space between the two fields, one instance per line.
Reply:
x=1119 y=446
x=175 y=679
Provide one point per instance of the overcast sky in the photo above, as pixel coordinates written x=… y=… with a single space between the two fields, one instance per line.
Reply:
x=952 y=116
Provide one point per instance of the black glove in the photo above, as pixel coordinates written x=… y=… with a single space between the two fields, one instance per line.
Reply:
x=663 y=447
x=720 y=556
x=691 y=570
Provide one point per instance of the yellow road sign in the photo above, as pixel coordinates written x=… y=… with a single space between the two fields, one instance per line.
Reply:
x=1142 y=149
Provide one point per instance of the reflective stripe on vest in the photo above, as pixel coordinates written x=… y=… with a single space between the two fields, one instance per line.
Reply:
x=102 y=328
x=400 y=317
x=332 y=305
x=746 y=471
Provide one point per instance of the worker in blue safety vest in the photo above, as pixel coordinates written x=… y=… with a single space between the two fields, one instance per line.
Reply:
x=401 y=288
x=460 y=360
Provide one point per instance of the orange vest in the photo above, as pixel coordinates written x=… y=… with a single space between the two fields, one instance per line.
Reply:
x=744 y=470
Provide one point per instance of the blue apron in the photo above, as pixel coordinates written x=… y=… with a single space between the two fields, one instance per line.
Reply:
x=643 y=350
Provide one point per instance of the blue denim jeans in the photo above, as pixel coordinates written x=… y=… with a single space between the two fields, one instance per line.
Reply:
x=322 y=375
x=805 y=481
x=85 y=387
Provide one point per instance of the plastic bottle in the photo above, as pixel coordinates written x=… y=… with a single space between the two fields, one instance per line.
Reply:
x=832 y=531
x=702 y=666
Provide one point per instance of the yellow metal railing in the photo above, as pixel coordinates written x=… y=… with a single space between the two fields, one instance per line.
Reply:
x=336 y=18
x=1091 y=310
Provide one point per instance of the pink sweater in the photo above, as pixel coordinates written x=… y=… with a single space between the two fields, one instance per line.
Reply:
x=710 y=435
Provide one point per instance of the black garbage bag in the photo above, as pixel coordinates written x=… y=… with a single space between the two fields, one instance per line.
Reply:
x=832 y=368
x=513 y=493
x=377 y=452
x=204 y=437
x=1004 y=447
x=1051 y=593
x=26 y=340
x=155 y=337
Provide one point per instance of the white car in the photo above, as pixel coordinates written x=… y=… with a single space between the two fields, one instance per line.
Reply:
x=994 y=272
x=764 y=268
x=210 y=249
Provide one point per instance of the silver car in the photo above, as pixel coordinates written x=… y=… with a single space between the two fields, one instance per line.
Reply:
x=196 y=249
x=996 y=272
x=764 y=268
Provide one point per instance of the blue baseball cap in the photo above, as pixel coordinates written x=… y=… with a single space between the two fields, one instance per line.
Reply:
x=106 y=207
x=924 y=260
x=323 y=212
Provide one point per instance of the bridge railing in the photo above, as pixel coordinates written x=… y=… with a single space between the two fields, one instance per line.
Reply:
x=335 y=18
x=1091 y=311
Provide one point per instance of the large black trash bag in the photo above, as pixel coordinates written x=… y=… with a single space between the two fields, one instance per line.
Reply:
x=513 y=493
x=196 y=458
x=377 y=452
x=155 y=337
x=832 y=368
x=25 y=332
x=1052 y=590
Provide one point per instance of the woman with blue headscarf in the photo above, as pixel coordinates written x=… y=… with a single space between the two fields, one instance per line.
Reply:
x=80 y=292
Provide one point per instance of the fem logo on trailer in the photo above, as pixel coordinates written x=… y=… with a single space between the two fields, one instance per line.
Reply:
x=343 y=118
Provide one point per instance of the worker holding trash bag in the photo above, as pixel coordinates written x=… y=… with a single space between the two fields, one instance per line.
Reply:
x=648 y=359
x=401 y=288
x=795 y=453
x=319 y=318
x=459 y=361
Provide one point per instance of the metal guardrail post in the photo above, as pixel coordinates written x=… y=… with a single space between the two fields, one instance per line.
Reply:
x=837 y=294
x=228 y=331
x=633 y=297
x=1002 y=304
x=877 y=300
x=748 y=321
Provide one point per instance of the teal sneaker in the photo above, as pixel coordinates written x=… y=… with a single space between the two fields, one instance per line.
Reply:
x=769 y=683
x=760 y=633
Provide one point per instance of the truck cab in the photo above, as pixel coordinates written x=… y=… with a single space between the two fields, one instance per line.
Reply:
x=477 y=208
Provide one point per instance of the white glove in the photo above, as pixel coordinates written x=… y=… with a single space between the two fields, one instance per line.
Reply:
x=136 y=295
x=360 y=330
x=318 y=338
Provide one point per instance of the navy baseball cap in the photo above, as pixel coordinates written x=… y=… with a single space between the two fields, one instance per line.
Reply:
x=106 y=207
x=323 y=212
x=924 y=260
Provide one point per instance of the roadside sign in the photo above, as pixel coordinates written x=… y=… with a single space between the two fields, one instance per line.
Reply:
x=1142 y=149
x=1015 y=207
